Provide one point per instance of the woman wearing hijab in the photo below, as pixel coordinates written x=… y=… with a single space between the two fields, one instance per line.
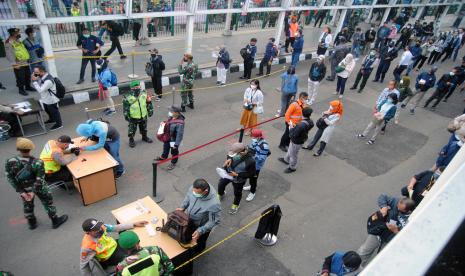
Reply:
x=384 y=112
x=326 y=124
x=104 y=76
x=343 y=70
x=253 y=105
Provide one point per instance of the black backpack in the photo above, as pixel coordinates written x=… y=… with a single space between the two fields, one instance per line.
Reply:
x=60 y=88
x=244 y=53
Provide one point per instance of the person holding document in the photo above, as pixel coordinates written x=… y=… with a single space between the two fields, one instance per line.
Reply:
x=175 y=129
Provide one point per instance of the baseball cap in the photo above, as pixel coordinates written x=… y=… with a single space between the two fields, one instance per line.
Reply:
x=65 y=139
x=175 y=108
x=235 y=149
x=91 y=224
x=256 y=133
x=134 y=84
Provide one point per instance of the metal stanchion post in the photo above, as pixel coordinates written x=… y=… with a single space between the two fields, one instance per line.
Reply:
x=241 y=135
x=133 y=75
x=87 y=113
x=173 y=91
x=158 y=198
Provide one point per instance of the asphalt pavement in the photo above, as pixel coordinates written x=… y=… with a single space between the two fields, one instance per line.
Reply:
x=325 y=203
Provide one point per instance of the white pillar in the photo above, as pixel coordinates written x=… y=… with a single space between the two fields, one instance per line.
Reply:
x=333 y=13
x=341 y=21
x=280 y=26
x=441 y=18
x=227 y=27
x=419 y=12
x=386 y=12
x=45 y=35
x=370 y=13
x=191 y=8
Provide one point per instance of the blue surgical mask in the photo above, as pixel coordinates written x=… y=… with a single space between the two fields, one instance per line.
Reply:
x=451 y=73
x=254 y=140
x=170 y=114
x=197 y=195
x=86 y=36
x=389 y=100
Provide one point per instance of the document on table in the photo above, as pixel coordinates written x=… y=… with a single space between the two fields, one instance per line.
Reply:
x=22 y=106
x=223 y=174
x=128 y=214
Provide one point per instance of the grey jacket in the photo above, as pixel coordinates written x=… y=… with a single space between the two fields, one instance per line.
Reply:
x=205 y=212
x=177 y=132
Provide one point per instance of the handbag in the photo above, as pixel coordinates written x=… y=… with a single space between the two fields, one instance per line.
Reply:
x=178 y=226
x=340 y=69
x=258 y=109
x=321 y=124
x=376 y=223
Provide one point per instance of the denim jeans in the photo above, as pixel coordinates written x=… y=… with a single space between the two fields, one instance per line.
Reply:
x=166 y=151
x=295 y=59
x=113 y=148
x=285 y=101
x=341 y=85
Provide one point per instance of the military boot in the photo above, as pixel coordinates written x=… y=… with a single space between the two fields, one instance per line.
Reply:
x=131 y=142
x=146 y=139
x=191 y=105
x=32 y=223
x=58 y=220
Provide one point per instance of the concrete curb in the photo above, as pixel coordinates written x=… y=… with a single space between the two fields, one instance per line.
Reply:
x=86 y=96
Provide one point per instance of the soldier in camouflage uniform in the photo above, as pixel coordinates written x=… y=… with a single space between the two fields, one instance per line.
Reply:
x=26 y=174
x=137 y=107
x=129 y=241
x=188 y=73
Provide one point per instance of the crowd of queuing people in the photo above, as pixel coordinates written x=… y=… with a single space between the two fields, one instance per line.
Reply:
x=377 y=50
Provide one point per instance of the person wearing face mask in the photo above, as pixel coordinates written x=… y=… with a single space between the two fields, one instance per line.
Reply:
x=341 y=263
x=420 y=184
x=443 y=86
x=368 y=63
x=271 y=52
x=35 y=49
x=424 y=81
x=344 y=69
x=261 y=150
x=405 y=34
x=249 y=57
x=222 y=65
x=297 y=48
x=158 y=66
x=43 y=82
x=370 y=36
x=404 y=62
x=253 y=105
x=202 y=205
x=316 y=74
x=97 y=244
x=175 y=132
x=240 y=165
x=18 y=56
x=387 y=54
x=326 y=125
x=325 y=39
x=382 y=34
x=383 y=112
x=90 y=46
x=426 y=50
x=292 y=117
x=289 y=86
x=448 y=151
x=188 y=70
x=137 y=107
x=107 y=79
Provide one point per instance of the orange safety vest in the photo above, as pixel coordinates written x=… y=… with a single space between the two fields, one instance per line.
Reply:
x=293 y=28
x=294 y=112
x=103 y=248
x=50 y=165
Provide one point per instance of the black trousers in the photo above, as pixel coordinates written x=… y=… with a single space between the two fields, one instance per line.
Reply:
x=62 y=175
x=398 y=71
x=157 y=85
x=451 y=90
x=53 y=113
x=15 y=130
x=420 y=61
x=321 y=51
x=136 y=30
x=262 y=64
x=448 y=53
x=237 y=189
x=166 y=152
x=316 y=138
x=289 y=41
x=201 y=243
x=363 y=77
x=253 y=182
x=433 y=57
x=285 y=139
x=118 y=255
x=23 y=77
x=248 y=65
x=383 y=67
x=84 y=63
x=115 y=44
x=320 y=19
x=437 y=95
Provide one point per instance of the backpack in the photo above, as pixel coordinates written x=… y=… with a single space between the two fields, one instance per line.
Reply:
x=25 y=175
x=149 y=69
x=60 y=88
x=163 y=134
x=117 y=29
x=178 y=226
x=244 y=53
x=113 y=79
x=261 y=145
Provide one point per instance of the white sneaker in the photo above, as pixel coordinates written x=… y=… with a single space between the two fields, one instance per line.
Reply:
x=250 y=197
x=246 y=188
x=341 y=96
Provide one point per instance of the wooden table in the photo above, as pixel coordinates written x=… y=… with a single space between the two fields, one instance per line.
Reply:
x=93 y=173
x=147 y=209
x=35 y=110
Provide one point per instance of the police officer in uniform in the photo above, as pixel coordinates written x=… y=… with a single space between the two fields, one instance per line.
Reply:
x=160 y=263
x=18 y=56
x=137 y=107
x=55 y=161
x=25 y=173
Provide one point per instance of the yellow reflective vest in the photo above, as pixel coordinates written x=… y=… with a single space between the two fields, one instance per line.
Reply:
x=50 y=165
x=147 y=266
x=103 y=248
x=21 y=53
x=137 y=106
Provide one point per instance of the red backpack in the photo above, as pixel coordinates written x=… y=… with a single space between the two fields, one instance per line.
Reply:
x=163 y=133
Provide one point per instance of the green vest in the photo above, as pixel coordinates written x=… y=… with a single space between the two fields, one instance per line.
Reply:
x=21 y=52
x=138 y=106
x=147 y=266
